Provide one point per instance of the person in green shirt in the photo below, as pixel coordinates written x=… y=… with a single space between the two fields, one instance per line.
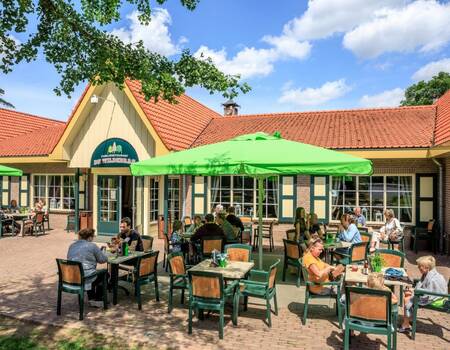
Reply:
x=226 y=226
x=195 y=225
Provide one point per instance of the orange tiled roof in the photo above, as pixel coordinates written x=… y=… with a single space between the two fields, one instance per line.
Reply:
x=179 y=124
x=13 y=123
x=403 y=127
x=442 y=133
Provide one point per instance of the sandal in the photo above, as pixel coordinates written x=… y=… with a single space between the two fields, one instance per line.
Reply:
x=404 y=329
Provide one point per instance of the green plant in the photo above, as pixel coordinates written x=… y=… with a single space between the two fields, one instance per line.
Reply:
x=376 y=262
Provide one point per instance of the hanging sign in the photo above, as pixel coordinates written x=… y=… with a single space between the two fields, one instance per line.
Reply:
x=113 y=153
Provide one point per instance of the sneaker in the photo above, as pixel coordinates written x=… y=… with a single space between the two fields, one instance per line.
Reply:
x=96 y=303
x=404 y=329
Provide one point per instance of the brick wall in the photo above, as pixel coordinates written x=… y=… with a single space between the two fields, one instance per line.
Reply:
x=303 y=191
x=188 y=196
x=398 y=166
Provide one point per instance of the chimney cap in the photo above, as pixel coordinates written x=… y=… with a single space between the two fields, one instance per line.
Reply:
x=230 y=102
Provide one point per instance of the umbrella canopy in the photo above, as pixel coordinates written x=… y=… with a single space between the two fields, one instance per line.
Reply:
x=7 y=171
x=254 y=155
x=258 y=155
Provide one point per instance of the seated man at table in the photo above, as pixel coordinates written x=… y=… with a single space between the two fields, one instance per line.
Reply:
x=127 y=234
x=226 y=227
x=89 y=254
x=360 y=218
x=233 y=219
x=318 y=270
x=209 y=229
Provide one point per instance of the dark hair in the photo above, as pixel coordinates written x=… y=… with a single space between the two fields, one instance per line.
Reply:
x=209 y=218
x=177 y=225
x=13 y=201
x=126 y=220
x=86 y=233
x=231 y=210
x=198 y=217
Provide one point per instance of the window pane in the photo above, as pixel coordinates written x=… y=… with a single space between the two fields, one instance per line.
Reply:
x=377 y=199
x=377 y=214
x=405 y=215
x=350 y=183
x=336 y=212
x=391 y=183
x=364 y=183
x=364 y=198
x=377 y=183
x=405 y=183
x=392 y=199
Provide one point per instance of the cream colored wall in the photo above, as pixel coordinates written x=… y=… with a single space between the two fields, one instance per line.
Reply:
x=106 y=120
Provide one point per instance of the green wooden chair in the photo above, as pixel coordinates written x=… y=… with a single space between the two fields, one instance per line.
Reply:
x=366 y=236
x=265 y=289
x=393 y=258
x=71 y=279
x=147 y=242
x=290 y=234
x=309 y=295
x=208 y=244
x=425 y=233
x=357 y=254
x=420 y=293
x=370 y=311
x=239 y=252
x=145 y=272
x=178 y=278
x=208 y=292
x=292 y=253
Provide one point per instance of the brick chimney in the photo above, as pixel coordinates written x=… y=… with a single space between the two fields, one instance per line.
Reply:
x=230 y=108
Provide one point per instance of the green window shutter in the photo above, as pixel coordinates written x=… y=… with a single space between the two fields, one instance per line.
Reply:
x=5 y=193
x=24 y=191
x=288 y=198
x=199 y=195
x=320 y=200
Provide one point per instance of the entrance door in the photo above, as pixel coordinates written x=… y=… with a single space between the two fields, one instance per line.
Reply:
x=109 y=203
x=426 y=208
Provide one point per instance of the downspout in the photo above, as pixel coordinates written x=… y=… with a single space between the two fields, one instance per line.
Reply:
x=441 y=203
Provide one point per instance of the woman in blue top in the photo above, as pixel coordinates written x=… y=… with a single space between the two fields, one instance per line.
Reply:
x=177 y=238
x=348 y=233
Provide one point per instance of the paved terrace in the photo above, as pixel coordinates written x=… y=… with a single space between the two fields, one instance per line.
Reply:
x=28 y=291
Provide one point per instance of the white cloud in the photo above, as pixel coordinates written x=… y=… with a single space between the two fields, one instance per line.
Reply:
x=315 y=96
x=289 y=47
x=431 y=69
x=388 y=98
x=155 y=36
x=422 y=25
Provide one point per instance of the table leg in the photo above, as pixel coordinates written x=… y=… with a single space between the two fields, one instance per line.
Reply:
x=114 y=281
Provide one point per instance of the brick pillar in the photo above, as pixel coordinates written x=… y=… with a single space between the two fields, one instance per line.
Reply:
x=304 y=191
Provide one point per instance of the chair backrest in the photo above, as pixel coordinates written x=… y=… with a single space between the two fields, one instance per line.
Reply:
x=363 y=229
x=292 y=249
x=208 y=285
x=236 y=232
x=392 y=258
x=147 y=243
x=272 y=275
x=176 y=263
x=290 y=234
x=211 y=243
x=166 y=243
x=70 y=272
x=367 y=304
x=239 y=252
x=246 y=219
x=365 y=236
x=147 y=264
x=305 y=272
x=39 y=218
x=358 y=251
x=246 y=236
x=430 y=226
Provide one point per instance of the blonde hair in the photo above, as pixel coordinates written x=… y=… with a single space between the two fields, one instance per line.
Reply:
x=390 y=213
x=375 y=280
x=427 y=261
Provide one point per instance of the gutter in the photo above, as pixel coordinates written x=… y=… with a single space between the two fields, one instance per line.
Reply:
x=440 y=204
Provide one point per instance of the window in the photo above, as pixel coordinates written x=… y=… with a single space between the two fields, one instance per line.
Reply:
x=174 y=198
x=221 y=191
x=270 y=203
x=373 y=194
x=57 y=191
x=154 y=199
x=243 y=195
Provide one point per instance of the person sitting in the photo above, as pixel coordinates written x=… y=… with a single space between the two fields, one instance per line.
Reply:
x=318 y=270
x=195 y=225
x=233 y=219
x=314 y=228
x=209 y=229
x=127 y=234
x=431 y=281
x=300 y=225
x=226 y=227
x=176 y=239
x=392 y=231
x=217 y=209
x=89 y=254
x=360 y=218
x=13 y=207
x=348 y=233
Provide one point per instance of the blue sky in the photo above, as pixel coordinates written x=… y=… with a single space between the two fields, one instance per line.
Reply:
x=296 y=55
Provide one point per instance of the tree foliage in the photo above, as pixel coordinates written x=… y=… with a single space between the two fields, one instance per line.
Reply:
x=3 y=102
x=426 y=92
x=75 y=42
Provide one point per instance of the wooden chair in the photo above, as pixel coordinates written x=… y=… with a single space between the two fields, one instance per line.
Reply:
x=267 y=233
x=70 y=225
x=427 y=233
x=370 y=311
x=239 y=252
x=365 y=236
x=393 y=258
x=178 y=278
x=265 y=289
x=71 y=280
x=167 y=250
x=38 y=223
x=208 y=244
x=147 y=242
x=290 y=234
x=207 y=291
x=357 y=254
x=309 y=295
x=420 y=293
x=145 y=272
x=47 y=219
x=292 y=253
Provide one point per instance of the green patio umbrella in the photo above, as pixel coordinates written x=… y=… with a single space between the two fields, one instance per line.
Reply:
x=7 y=171
x=258 y=155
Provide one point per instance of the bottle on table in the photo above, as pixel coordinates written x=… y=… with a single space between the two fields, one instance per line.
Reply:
x=366 y=267
x=125 y=249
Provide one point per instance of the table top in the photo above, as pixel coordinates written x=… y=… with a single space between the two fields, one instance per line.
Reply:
x=335 y=245
x=22 y=215
x=234 y=270
x=359 y=277
x=113 y=259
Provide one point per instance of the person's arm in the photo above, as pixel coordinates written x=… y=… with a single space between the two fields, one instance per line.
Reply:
x=320 y=273
x=349 y=234
x=99 y=255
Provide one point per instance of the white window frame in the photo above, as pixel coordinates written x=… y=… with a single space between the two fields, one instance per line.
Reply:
x=384 y=175
x=151 y=201
x=61 y=197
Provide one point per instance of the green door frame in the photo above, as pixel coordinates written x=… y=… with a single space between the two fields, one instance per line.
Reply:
x=426 y=199
x=109 y=228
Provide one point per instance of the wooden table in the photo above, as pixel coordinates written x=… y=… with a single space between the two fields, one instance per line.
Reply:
x=114 y=261
x=332 y=246
x=359 y=277
x=19 y=217
x=235 y=270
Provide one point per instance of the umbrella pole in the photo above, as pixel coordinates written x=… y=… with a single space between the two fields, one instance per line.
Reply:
x=260 y=214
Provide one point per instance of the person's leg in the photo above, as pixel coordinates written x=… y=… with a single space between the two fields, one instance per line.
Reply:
x=407 y=312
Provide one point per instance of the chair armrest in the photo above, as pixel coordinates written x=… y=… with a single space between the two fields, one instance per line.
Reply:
x=422 y=292
x=129 y=268
x=342 y=254
x=256 y=283
x=258 y=273
x=231 y=286
x=175 y=275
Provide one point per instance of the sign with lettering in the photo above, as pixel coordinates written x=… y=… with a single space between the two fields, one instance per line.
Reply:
x=113 y=153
